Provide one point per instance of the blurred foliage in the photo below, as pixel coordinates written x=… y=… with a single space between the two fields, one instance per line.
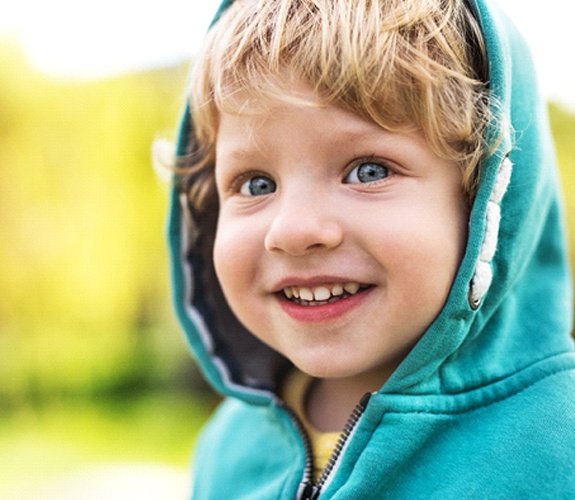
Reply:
x=85 y=309
x=563 y=126
x=93 y=367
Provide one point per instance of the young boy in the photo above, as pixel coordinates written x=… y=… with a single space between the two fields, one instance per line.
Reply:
x=386 y=316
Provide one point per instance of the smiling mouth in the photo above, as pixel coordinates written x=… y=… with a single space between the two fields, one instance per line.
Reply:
x=323 y=294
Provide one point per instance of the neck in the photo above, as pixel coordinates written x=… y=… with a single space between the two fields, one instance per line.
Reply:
x=331 y=401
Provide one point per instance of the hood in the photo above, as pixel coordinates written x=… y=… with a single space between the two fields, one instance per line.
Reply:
x=511 y=303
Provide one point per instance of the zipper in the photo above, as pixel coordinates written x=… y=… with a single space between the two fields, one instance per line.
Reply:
x=302 y=431
x=310 y=490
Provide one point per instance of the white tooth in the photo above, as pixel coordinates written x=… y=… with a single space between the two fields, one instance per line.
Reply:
x=305 y=294
x=337 y=290
x=351 y=288
x=321 y=293
x=288 y=292
x=295 y=291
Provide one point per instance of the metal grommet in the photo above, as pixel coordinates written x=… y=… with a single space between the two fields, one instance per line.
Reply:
x=474 y=303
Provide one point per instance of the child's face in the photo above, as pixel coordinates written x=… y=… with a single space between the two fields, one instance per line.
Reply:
x=368 y=227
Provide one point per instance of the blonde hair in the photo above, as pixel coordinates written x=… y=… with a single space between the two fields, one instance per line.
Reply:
x=403 y=64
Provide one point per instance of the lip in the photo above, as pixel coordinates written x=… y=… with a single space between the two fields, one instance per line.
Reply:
x=325 y=312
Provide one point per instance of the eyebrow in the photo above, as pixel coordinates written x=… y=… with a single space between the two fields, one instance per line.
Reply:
x=360 y=134
x=240 y=152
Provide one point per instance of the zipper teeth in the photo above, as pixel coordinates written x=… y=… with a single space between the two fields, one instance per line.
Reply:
x=308 y=471
x=342 y=440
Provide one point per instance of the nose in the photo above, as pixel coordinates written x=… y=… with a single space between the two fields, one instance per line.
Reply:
x=305 y=223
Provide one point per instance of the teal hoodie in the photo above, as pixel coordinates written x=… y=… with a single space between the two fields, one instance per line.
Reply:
x=482 y=407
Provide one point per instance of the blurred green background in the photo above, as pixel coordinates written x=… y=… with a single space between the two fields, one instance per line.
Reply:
x=93 y=367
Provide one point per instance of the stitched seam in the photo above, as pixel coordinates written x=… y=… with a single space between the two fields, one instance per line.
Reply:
x=485 y=405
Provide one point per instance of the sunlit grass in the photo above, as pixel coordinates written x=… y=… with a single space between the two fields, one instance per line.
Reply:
x=57 y=439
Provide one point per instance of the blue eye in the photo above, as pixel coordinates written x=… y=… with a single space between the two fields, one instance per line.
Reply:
x=367 y=172
x=258 y=186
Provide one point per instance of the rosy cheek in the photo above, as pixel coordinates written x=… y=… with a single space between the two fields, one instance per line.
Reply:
x=235 y=254
x=223 y=257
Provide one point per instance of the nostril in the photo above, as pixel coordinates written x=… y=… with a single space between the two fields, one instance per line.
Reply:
x=302 y=236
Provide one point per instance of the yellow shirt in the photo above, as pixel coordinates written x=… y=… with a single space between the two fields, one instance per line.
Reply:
x=323 y=443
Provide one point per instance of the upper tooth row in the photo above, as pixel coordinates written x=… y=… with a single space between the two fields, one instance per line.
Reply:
x=320 y=293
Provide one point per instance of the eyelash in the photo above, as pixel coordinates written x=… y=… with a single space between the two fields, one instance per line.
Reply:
x=373 y=160
x=238 y=183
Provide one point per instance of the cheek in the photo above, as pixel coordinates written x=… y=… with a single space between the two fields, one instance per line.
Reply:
x=236 y=255
x=237 y=260
x=424 y=245
x=226 y=255
x=228 y=269
x=441 y=250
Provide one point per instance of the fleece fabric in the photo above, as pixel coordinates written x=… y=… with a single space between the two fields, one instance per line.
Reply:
x=483 y=406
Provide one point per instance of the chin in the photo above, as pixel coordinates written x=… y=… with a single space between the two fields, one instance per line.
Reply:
x=326 y=368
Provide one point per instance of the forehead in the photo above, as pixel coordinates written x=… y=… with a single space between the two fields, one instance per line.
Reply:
x=318 y=136
x=308 y=125
x=283 y=111
x=279 y=97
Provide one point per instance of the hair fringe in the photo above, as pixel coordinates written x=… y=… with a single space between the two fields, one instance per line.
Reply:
x=405 y=65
